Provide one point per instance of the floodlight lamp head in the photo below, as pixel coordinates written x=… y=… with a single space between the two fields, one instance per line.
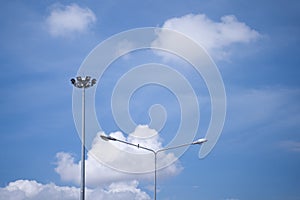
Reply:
x=87 y=78
x=79 y=78
x=73 y=81
x=94 y=82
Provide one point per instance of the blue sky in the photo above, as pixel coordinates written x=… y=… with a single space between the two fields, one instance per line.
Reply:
x=258 y=153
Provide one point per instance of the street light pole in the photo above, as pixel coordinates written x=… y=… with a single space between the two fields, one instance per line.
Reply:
x=199 y=141
x=83 y=83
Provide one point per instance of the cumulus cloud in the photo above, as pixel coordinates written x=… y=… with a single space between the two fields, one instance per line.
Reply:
x=70 y=19
x=122 y=190
x=214 y=36
x=119 y=160
x=32 y=190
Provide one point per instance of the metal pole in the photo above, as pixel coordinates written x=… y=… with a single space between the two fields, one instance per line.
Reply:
x=155 y=160
x=82 y=186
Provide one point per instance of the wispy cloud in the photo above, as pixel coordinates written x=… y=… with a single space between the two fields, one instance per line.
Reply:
x=70 y=19
x=273 y=107
x=291 y=145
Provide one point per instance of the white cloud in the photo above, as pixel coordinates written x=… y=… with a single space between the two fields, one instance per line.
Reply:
x=116 y=155
x=66 y=20
x=123 y=190
x=66 y=168
x=32 y=190
x=214 y=36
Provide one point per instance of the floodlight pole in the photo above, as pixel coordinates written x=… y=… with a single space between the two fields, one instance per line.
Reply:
x=155 y=152
x=83 y=83
x=82 y=185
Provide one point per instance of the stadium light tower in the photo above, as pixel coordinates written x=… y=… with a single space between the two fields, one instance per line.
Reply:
x=155 y=152
x=83 y=83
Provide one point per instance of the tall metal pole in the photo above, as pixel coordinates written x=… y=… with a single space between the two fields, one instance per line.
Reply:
x=82 y=185
x=155 y=161
x=83 y=83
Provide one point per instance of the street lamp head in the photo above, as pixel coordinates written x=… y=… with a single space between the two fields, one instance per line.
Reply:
x=107 y=138
x=200 y=141
x=103 y=137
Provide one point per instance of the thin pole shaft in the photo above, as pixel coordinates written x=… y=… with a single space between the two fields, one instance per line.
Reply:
x=82 y=185
x=155 y=162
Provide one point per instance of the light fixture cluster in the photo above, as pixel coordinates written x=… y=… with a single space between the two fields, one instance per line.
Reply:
x=80 y=82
